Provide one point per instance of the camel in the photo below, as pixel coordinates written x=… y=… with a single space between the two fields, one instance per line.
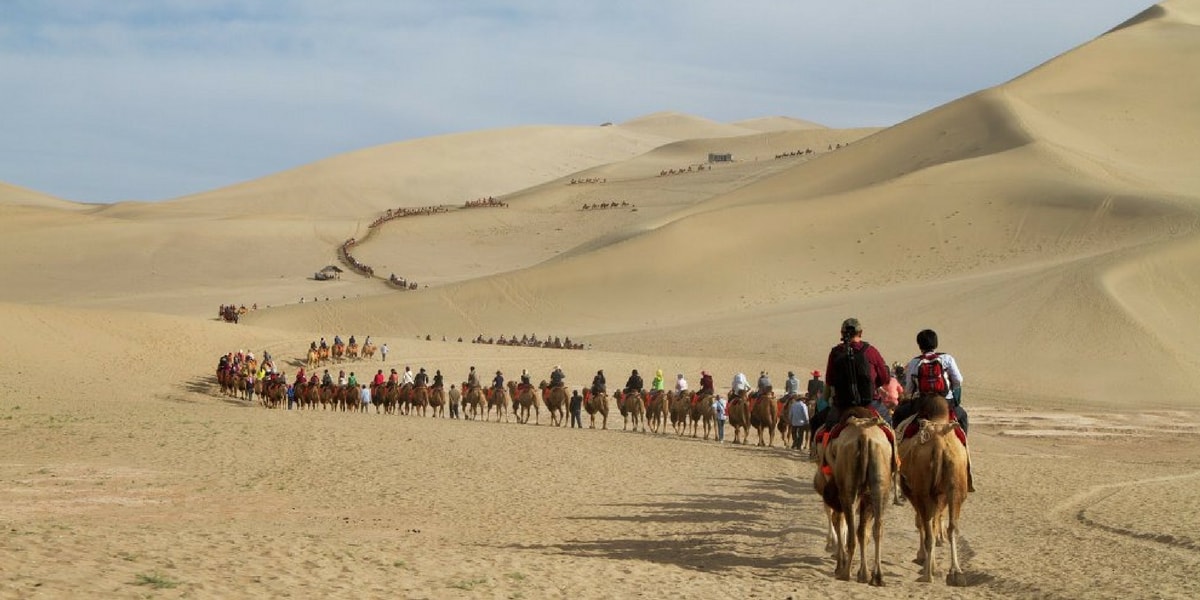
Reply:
x=418 y=399
x=438 y=400
x=656 y=411
x=385 y=397
x=678 y=406
x=764 y=415
x=835 y=520
x=933 y=477
x=738 y=413
x=352 y=351
x=339 y=351
x=523 y=399
x=632 y=407
x=274 y=394
x=702 y=411
x=498 y=398
x=862 y=461
x=368 y=351
x=473 y=397
x=313 y=358
x=786 y=435
x=556 y=401
x=596 y=403
x=323 y=355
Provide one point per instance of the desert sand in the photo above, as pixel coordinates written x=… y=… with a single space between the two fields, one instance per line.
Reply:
x=1047 y=228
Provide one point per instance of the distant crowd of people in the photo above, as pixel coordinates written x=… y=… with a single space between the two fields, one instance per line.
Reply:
x=485 y=203
x=354 y=263
x=530 y=341
x=607 y=205
x=575 y=181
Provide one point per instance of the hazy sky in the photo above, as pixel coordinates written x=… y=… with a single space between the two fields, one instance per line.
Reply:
x=106 y=100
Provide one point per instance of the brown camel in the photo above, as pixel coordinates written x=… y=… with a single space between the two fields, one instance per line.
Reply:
x=368 y=351
x=764 y=414
x=738 y=413
x=323 y=355
x=631 y=407
x=339 y=351
x=933 y=476
x=418 y=399
x=702 y=411
x=556 y=401
x=352 y=351
x=524 y=399
x=679 y=403
x=656 y=411
x=862 y=460
x=597 y=403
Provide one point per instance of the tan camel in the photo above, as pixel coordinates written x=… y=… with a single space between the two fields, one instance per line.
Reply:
x=418 y=399
x=339 y=351
x=631 y=407
x=738 y=413
x=656 y=411
x=933 y=477
x=835 y=520
x=862 y=460
x=764 y=414
x=786 y=435
x=556 y=401
x=593 y=404
x=497 y=398
x=473 y=397
x=438 y=399
x=524 y=400
x=368 y=351
x=313 y=358
x=352 y=351
x=323 y=355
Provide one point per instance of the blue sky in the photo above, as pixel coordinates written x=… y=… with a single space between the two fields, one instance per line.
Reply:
x=152 y=99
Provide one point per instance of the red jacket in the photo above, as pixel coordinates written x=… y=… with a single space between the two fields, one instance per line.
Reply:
x=878 y=374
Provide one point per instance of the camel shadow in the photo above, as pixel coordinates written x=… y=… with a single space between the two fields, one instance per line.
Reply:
x=207 y=386
x=752 y=529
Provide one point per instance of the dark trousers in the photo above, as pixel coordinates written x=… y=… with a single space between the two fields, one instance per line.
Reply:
x=453 y=410
x=576 y=421
x=798 y=434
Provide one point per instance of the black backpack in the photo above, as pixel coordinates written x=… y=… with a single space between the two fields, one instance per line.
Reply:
x=854 y=384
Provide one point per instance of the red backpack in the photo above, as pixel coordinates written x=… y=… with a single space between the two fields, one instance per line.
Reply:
x=931 y=375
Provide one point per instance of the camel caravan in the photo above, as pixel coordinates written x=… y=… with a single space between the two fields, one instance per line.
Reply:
x=584 y=180
x=530 y=341
x=231 y=314
x=608 y=205
x=863 y=463
x=803 y=152
x=489 y=202
x=681 y=171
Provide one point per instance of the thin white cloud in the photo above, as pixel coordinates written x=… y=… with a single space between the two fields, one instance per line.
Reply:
x=155 y=99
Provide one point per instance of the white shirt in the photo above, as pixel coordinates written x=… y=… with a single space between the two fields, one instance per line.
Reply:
x=680 y=384
x=719 y=407
x=953 y=376
x=740 y=383
x=408 y=377
x=798 y=414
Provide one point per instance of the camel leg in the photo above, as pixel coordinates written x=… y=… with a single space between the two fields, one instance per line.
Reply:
x=864 y=522
x=846 y=547
x=955 y=577
x=877 y=572
x=927 y=549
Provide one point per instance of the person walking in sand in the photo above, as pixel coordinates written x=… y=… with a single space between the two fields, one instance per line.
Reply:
x=455 y=398
x=383 y=350
x=576 y=410
x=719 y=409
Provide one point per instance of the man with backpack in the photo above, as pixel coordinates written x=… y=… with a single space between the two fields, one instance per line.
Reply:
x=933 y=373
x=854 y=371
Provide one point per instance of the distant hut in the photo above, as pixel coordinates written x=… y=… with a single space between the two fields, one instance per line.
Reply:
x=714 y=157
x=329 y=272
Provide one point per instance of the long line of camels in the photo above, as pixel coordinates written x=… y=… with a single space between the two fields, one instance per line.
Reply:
x=861 y=463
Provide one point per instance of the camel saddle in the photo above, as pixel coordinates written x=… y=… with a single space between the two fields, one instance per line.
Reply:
x=914 y=426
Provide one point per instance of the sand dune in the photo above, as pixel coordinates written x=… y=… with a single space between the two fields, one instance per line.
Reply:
x=1046 y=227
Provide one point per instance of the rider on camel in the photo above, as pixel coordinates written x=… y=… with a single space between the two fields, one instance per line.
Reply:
x=706 y=384
x=525 y=384
x=352 y=342
x=393 y=379
x=498 y=381
x=323 y=344
x=327 y=379
x=421 y=380
x=473 y=379
x=408 y=375
x=379 y=378
x=634 y=383
x=556 y=377
x=764 y=383
x=858 y=388
x=337 y=340
x=599 y=386
x=438 y=380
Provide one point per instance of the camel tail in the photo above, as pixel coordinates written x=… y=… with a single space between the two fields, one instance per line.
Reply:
x=863 y=472
x=939 y=467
